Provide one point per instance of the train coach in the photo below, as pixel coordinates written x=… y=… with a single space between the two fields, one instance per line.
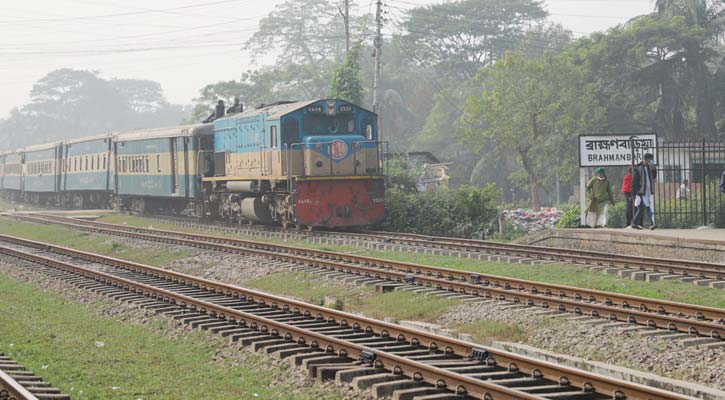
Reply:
x=41 y=173
x=312 y=163
x=158 y=169
x=12 y=178
x=87 y=177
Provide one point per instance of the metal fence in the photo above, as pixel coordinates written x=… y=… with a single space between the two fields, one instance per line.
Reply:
x=688 y=184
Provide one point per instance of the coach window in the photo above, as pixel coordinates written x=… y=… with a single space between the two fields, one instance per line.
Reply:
x=146 y=158
x=104 y=161
x=92 y=166
x=158 y=163
x=75 y=164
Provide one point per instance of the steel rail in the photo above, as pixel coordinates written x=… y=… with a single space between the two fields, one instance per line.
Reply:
x=12 y=389
x=687 y=267
x=436 y=376
x=703 y=320
x=703 y=270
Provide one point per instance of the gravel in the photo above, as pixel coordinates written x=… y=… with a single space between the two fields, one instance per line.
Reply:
x=624 y=348
x=227 y=268
x=614 y=346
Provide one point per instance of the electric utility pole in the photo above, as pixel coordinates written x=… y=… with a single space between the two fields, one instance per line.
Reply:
x=347 y=26
x=376 y=77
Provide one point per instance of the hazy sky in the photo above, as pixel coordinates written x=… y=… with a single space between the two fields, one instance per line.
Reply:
x=183 y=44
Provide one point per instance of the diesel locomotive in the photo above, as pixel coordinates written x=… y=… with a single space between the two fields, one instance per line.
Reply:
x=308 y=163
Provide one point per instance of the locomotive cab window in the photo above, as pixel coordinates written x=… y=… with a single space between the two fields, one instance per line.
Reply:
x=327 y=125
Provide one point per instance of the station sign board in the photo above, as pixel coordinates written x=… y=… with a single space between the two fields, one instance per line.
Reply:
x=615 y=150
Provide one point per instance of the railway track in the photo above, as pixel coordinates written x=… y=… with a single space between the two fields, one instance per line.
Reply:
x=466 y=247
x=392 y=275
x=17 y=383
x=388 y=358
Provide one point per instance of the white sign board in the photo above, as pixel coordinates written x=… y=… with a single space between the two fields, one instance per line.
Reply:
x=615 y=150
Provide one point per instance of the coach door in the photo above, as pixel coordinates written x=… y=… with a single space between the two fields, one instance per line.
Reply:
x=268 y=158
x=107 y=165
x=173 y=148
x=186 y=167
x=115 y=167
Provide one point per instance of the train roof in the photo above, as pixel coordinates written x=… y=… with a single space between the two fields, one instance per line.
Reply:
x=277 y=110
x=40 y=147
x=167 y=132
x=88 y=138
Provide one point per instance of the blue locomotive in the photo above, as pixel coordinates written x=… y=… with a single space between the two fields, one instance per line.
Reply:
x=310 y=163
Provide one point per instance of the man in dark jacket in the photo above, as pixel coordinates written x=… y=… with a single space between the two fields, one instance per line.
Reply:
x=722 y=182
x=643 y=178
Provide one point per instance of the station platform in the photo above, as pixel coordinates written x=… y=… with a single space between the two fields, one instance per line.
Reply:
x=707 y=245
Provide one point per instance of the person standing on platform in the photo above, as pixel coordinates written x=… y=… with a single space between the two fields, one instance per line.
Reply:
x=600 y=195
x=627 y=191
x=643 y=179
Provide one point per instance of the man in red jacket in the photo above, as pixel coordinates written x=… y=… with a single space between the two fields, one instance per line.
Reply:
x=627 y=190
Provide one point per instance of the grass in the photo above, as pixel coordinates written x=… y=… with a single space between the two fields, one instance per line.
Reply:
x=393 y=305
x=486 y=332
x=92 y=357
x=552 y=273
x=109 y=246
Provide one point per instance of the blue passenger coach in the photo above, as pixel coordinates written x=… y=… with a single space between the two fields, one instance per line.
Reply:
x=157 y=169
x=41 y=173
x=87 y=174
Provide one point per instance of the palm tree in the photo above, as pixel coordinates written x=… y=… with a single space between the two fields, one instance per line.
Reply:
x=710 y=16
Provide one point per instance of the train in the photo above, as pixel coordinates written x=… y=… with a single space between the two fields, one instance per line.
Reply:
x=316 y=163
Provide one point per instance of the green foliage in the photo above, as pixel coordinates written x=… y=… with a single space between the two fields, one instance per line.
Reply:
x=345 y=83
x=467 y=211
x=402 y=175
x=482 y=32
x=617 y=215
x=532 y=108
x=571 y=218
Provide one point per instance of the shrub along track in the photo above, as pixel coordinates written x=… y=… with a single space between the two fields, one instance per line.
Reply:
x=686 y=318
x=330 y=343
x=17 y=383
x=508 y=251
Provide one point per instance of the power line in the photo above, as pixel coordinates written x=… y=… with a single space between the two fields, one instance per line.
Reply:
x=132 y=13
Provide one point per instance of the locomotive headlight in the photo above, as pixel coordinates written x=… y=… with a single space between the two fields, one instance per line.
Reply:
x=318 y=164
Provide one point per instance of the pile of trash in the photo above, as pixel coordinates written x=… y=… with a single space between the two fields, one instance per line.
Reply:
x=533 y=221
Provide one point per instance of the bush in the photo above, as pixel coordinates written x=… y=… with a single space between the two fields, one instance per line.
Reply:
x=617 y=217
x=467 y=211
x=570 y=218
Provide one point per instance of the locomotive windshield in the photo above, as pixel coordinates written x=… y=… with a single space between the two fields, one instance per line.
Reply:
x=328 y=125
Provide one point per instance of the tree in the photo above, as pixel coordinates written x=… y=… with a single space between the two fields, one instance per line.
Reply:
x=69 y=103
x=462 y=36
x=533 y=108
x=346 y=78
x=710 y=17
x=302 y=31
x=639 y=74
